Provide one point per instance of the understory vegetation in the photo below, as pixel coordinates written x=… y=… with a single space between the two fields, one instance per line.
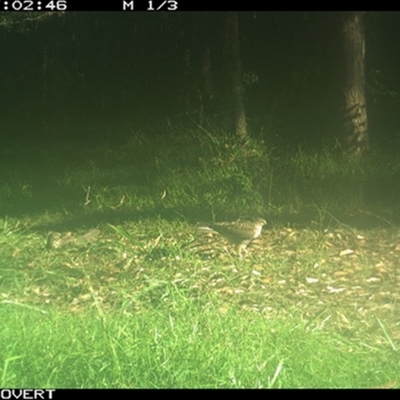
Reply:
x=132 y=295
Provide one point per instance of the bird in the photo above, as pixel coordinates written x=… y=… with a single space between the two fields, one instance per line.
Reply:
x=56 y=240
x=238 y=233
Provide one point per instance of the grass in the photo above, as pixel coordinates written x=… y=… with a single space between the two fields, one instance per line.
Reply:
x=181 y=344
x=150 y=302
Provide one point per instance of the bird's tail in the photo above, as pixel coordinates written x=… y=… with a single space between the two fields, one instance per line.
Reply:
x=204 y=227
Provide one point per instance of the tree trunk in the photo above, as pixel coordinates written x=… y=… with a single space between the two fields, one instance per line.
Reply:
x=356 y=122
x=206 y=90
x=235 y=73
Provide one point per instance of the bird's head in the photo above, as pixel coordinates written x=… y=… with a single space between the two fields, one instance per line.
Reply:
x=260 y=222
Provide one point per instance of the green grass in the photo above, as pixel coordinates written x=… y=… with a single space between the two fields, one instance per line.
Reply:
x=182 y=344
x=151 y=302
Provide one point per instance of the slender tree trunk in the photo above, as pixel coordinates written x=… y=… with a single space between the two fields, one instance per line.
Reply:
x=199 y=90
x=206 y=89
x=206 y=69
x=356 y=121
x=235 y=73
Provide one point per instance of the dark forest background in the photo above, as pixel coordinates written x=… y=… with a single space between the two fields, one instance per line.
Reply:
x=76 y=73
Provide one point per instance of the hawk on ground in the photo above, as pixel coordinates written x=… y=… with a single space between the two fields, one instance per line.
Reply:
x=239 y=233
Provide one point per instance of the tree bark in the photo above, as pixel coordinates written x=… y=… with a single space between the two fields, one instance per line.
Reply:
x=235 y=73
x=356 y=121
